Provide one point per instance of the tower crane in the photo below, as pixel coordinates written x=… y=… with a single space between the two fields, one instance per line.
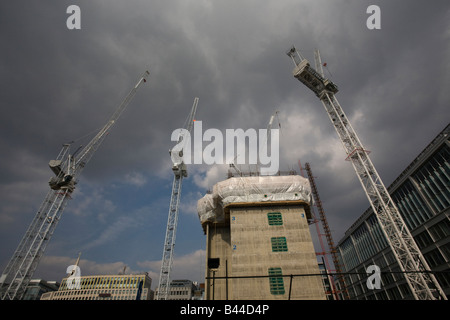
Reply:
x=328 y=235
x=417 y=273
x=180 y=171
x=265 y=145
x=67 y=167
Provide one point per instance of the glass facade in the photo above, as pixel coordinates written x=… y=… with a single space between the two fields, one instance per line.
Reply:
x=412 y=207
x=348 y=253
x=363 y=243
x=375 y=231
x=434 y=179
x=422 y=195
x=181 y=290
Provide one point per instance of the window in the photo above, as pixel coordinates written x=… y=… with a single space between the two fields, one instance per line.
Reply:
x=404 y=289
x=276 y=283
x=411 y=205
x=275 y=219
x=423 y=239
x=443 y=278
x=434 y=258
x=279 y=244
x=394 y=294
x=376 y=232
x=381 y=295
x=349 y=254
x=363 y=243
x=440 y=230
x=433 y=179
x=446 y=250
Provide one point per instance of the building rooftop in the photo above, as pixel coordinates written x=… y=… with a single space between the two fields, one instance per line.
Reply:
x=244 y=191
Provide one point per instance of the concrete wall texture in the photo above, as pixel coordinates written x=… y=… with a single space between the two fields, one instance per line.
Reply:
x=258 y=240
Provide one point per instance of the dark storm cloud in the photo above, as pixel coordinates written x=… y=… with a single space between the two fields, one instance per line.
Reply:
x=60 y=84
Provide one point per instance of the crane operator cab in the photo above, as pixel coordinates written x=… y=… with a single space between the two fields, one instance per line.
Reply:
x=62 y=180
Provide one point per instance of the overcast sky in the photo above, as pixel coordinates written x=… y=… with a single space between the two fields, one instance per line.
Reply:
x=58 y=85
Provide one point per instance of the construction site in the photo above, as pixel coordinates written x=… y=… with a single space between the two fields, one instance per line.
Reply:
x=260 y=229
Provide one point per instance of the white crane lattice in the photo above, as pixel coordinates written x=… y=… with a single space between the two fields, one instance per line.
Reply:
x=417 y=273
x=180 y=171
x=67 y=167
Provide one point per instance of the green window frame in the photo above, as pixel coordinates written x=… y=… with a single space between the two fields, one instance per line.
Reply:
x=275 y=281
x=275 y=219
x=279 y=244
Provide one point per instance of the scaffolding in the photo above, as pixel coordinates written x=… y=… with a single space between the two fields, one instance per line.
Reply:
x=327 y=232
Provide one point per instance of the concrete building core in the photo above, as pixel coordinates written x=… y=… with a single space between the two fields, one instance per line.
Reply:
x=258 y=243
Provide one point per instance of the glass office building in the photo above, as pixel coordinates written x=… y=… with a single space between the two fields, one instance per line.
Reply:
x=422 y=195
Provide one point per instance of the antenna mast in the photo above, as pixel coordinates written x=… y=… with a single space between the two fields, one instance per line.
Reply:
x=66 y=168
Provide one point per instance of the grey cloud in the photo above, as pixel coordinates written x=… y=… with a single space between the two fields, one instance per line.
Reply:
x=58 y=85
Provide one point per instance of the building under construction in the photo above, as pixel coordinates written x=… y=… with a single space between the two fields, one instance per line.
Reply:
x=258 y=243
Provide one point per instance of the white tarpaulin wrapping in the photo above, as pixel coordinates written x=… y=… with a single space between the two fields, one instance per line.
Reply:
x=252 y=190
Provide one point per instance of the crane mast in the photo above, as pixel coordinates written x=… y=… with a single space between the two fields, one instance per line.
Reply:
x=328 y=234
x=180 y=171
x=66 y=167
x=417 y=273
